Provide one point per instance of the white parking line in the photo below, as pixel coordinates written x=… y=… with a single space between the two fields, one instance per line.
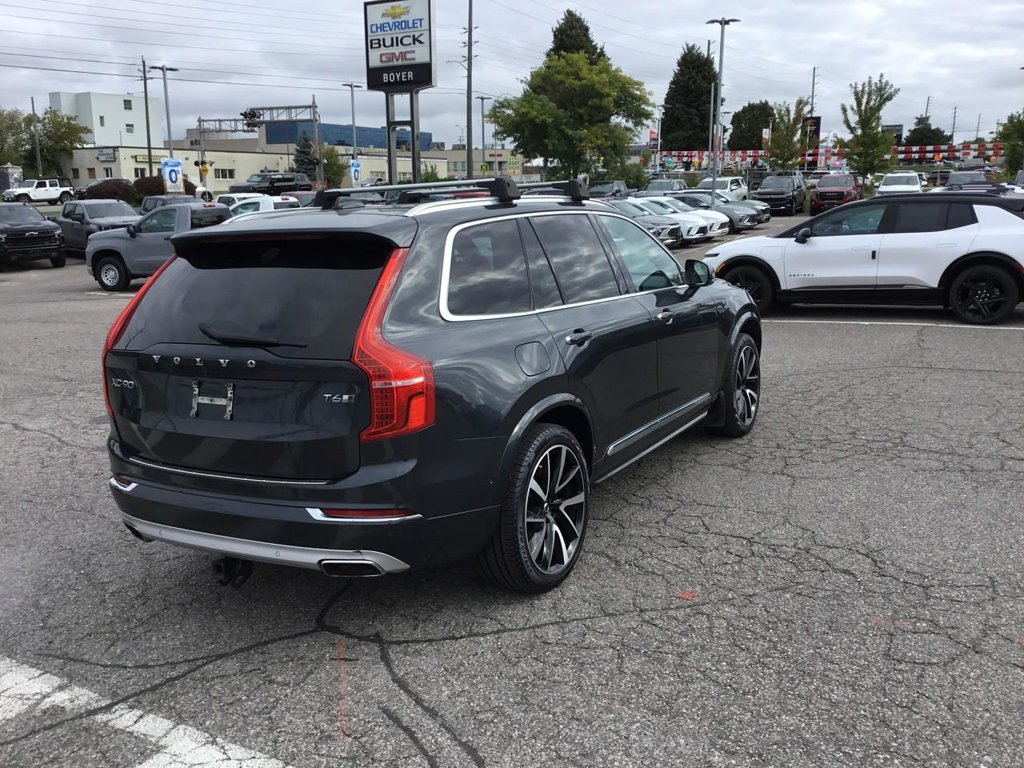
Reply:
x=23 y=688
x=963 y=327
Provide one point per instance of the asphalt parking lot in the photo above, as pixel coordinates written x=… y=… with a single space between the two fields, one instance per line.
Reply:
x=844 y=587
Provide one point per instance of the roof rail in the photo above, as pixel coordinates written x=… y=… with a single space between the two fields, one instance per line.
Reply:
x=573 y=188
x=502 y=187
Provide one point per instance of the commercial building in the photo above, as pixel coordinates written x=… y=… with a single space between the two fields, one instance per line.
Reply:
x=289 y=131
x=113 y=119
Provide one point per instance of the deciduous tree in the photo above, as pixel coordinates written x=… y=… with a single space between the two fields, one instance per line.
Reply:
x=13 y=139
x=577 y=113
x=868 y=144
x=785 y=149
x=58 y=135
x=1011 y=134
x=747 y=124
x=335 y=168
x=688 y=101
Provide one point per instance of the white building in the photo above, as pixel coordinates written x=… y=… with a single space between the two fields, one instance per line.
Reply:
x=114 y=119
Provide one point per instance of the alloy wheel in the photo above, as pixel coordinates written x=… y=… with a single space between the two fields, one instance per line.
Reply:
x=555 y=509
x=981 y=299
x=748 y=385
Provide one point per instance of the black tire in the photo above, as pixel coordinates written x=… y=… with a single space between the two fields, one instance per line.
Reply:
x=984 y=294
x=59 y=261
x=741 y=391
x=756 y=283
x=540 y=533
x=732 y=227
x=111 y=274
x=792 y=208
x=23 y=199
x=207 y=197
x=64 y=197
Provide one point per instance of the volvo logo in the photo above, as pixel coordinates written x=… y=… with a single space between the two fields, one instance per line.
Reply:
x=200 y=362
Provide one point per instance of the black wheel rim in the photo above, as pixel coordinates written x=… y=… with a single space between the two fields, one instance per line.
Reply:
x=748 y=386
x=982 y=298
x=555 y=510
x=750 y=282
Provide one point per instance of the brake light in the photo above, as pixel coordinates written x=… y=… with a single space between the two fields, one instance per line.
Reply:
x=117 y=329
x=401 y=384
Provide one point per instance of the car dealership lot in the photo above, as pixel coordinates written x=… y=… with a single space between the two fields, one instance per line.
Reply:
x=842 y=587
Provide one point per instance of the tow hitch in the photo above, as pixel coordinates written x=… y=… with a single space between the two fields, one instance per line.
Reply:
x=232 y=570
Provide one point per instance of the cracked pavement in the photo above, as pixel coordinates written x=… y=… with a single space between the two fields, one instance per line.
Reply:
x=842 y=587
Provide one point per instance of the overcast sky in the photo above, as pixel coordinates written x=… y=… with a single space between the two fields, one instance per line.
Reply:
x=261 y=53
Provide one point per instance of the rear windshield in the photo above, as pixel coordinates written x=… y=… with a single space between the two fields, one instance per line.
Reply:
x=301 y=292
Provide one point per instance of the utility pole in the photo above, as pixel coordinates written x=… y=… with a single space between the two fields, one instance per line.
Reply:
x=927 y=106
x=723 y=23
x=814 y=82
x=319 y=147
x=164 y=69
x=952 y=133
x=145 y=99
x=711 y=122
x=977 y=130
x=469 y=93
x=483 y=132
x=35 y=138
x=352 y=92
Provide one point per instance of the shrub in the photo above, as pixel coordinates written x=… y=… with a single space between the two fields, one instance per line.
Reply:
x=113 y=189
x=154 y=185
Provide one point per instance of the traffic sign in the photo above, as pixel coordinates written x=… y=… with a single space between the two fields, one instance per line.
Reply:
x=170 y=169
x=355 y=166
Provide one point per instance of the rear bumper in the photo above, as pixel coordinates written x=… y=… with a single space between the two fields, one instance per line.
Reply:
x=295 y=532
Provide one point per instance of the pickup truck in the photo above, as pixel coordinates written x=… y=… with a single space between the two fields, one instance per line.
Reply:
x=610 y=189
x=273 y=183
x=41 y=191
x=117 y=256
x=79 y=219
x=25 y=235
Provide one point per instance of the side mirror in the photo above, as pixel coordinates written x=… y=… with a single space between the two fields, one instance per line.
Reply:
x=803 y=235
x=698 y=273
x=130 y=229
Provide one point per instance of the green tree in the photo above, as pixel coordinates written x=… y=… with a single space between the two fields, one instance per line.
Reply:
x=923 y=134
x=14 y=141
x=574 y=112
x=688 y=101
x=304 y=160
x=572 y=35
x=785 y=149
x=868 y=144
x=747 y=124
x=335 y=167
x=1011 y=134
x=58 y=135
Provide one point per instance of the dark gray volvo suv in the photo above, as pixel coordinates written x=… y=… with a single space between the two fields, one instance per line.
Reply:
x=364 y=389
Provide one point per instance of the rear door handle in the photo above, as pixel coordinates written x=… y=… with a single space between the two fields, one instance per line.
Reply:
x=578 y=337
x=666 y=316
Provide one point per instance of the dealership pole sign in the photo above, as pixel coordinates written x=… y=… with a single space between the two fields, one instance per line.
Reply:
x=400 y=46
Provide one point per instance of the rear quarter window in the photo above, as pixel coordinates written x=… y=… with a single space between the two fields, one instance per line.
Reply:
x=208 y=217
x=487 y=271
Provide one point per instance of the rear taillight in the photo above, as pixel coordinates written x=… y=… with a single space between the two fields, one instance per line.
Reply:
x=367 y=514
x=117 y=329
x=401 y=384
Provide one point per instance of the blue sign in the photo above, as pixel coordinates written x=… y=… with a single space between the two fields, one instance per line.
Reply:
x=354 y=166
x=170 y=169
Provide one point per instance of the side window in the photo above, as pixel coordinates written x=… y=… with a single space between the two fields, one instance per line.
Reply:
x=862 y=220
x=648 y=265
x=40 y=185
x=961 y=215
x=69 y=208
x=207 y=217
x=161 y=220
x=577 y=257
x=921 y=217
x=487 y=271
x=247 y=207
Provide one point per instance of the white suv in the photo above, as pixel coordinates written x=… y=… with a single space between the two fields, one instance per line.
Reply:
x=41 y=191
x=963 y=251
x=733 y=187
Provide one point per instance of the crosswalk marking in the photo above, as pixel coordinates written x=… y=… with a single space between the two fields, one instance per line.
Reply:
x=24 y=688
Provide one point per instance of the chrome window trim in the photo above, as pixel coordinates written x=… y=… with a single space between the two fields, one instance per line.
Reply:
x=446 y=266
x=626 y=440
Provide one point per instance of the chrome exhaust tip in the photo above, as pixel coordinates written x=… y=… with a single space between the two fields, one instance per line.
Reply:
x=350 y=568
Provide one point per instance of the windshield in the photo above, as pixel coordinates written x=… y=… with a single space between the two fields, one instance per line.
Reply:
x=19 y=214
x=28 y=183
x=679 y=206
x=661 y=184
x=102 y=210
x=257 y=177
x=776 y=182
x=900 y=179
x=629 y=209
x=835 y=181
x=602 y=188
x=719 y=184
x=966 y=177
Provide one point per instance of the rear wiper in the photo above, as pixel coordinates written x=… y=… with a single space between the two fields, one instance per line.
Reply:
x=226 y=337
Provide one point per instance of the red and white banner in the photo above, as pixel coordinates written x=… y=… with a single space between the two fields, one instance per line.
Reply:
x=993 y=150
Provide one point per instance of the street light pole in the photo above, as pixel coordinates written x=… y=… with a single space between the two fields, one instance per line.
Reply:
x=657 y=152
x=352 y=91
x=723 y=23
x=164 y=69
x=145 y=101
x=483 y=132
